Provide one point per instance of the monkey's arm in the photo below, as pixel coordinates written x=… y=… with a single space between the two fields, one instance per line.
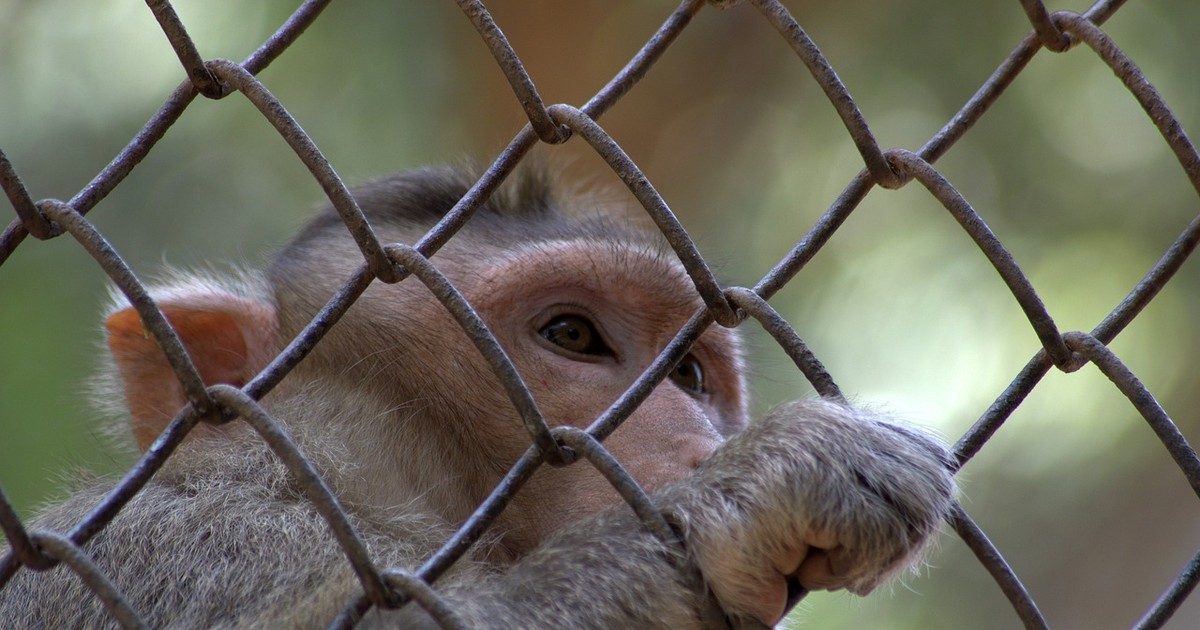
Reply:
x=815 y=494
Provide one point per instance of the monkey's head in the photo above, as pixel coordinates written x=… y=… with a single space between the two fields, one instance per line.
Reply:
x=580 y=302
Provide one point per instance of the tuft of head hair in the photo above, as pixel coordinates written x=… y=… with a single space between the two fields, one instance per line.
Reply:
x=530 y=206
x=421 y=197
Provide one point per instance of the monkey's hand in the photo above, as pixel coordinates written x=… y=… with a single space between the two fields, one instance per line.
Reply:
x=816 y=495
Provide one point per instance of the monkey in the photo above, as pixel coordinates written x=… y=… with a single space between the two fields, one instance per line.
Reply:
x=409 y=427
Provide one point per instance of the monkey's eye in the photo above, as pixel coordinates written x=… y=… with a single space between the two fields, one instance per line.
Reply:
x=689 y=376
x=575 y=333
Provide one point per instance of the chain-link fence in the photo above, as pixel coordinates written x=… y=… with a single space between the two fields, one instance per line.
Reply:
x=726 y=306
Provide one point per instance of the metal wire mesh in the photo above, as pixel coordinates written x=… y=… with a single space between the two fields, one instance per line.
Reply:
x=891 y=169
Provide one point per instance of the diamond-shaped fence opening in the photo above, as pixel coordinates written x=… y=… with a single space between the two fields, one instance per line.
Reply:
x=580 y=123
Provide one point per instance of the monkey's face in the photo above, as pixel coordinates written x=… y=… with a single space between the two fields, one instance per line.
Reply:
x=582 y=320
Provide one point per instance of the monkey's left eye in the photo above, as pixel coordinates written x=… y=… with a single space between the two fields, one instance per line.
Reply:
x=689 y=376
x=575 y=333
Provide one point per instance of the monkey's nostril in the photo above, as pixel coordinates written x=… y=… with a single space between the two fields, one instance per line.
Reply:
x=698 y=452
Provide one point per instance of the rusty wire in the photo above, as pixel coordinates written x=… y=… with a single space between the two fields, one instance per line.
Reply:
x=389 y=588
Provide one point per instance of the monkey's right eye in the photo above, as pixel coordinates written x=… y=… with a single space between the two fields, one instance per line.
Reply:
x=575 y=333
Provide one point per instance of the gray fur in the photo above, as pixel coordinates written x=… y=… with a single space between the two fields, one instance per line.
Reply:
x=183 y=561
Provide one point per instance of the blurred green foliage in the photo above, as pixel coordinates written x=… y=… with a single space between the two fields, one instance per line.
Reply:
x=905 y=312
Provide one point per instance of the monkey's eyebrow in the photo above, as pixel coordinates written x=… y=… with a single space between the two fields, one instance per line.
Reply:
x=632 y=264
x=642 y=253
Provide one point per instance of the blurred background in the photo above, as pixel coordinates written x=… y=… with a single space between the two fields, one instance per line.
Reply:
x=902 y=308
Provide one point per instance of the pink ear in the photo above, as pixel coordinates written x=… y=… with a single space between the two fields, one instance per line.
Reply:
x=230 y=338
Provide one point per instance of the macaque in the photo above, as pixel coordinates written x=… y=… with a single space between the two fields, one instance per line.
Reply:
x=411 y=429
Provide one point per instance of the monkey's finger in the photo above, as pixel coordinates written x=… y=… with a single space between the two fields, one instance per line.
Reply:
x=816 y=572
x=775 y=593
x=788 y=561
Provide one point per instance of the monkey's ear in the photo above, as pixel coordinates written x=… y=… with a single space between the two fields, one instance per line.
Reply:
x=229 y=338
